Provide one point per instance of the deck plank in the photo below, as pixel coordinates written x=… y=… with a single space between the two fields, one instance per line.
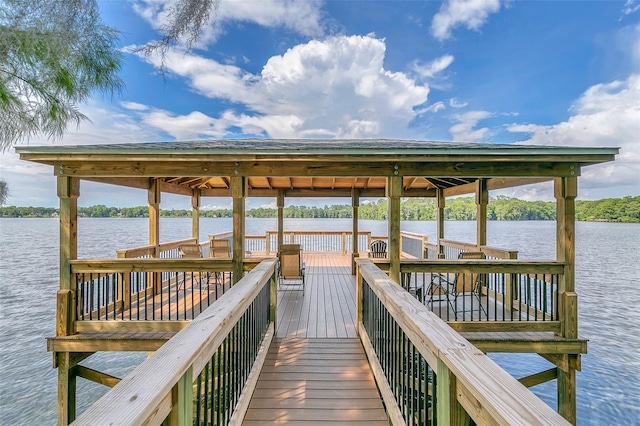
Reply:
x=327 y=308
x=316 y=381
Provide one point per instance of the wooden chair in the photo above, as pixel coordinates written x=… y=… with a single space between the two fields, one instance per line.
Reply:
x=194 y=251
x=190 y=251
x=219 y=249
x=443 y=288
x=378 y=249
x=290 y=266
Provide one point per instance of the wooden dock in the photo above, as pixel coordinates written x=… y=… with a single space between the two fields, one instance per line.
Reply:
x=316 y=381
x=327 y=308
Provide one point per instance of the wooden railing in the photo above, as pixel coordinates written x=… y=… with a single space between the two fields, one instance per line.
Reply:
x=126 y=294
x=452 y=249
x=516 y=294
x=331 y=242
x=206 y=373
x=427 y=372
x=312 y=242
x=167 y=250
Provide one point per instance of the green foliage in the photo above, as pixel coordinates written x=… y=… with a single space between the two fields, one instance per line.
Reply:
x=53 y=55
x=4 y=192
x=13 y=211
x=625 y=209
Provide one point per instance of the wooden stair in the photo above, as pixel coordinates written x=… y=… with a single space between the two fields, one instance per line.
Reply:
x=316 y=381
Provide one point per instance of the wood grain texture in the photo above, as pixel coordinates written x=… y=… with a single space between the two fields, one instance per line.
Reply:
x=145 y=395
x=487 y=392
x=316 y=381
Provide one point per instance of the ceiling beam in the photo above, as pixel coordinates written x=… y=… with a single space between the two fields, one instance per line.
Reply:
x=493 y=184
x=129 y=182
x=305 y=169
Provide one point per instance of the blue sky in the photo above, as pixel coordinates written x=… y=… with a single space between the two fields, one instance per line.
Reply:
x=491 y=71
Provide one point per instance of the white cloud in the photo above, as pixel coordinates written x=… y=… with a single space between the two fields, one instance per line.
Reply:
x=134 y=106
x=302 y=17
x=438 y=106
x=606 y=115
x=630 y=6
x=34 y=184
x=218 y=205
x=465 y=131
x=454 y=103
x=432 y=68
x=336 y=87
x=471 y=14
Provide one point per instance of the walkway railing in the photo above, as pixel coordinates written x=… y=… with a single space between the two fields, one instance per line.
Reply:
x=428 y=373
x=168 y=250
x=329 y=242
x=487 y=290
x=124 y=294
x=206 y=373
x=452 y=249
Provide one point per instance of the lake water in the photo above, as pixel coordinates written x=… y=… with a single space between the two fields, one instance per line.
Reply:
x=607 y=282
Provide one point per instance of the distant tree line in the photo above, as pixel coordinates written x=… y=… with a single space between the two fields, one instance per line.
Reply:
x=625 y=209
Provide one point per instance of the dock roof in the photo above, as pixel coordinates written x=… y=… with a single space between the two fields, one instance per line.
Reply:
x=320 y=167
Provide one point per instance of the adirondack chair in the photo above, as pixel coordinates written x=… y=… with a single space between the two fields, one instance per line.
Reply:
x=378 y=249
x=291 y=267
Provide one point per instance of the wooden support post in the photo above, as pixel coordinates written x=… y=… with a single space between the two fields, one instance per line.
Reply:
x=273 y=300
x=482 y=199
x=238 y=192
x=355 y=252
x=567 y=393
x=565 y=191
x=195 y=214
x=154 y=230
x=448 y=409
x=182 y=401
x=64 y=313
x=154 y=214
x=359 y=306
x=394 y=193
x=68 y=192
x=280 y=204
x=125 y=285
x=440 y=200
x=66 y=388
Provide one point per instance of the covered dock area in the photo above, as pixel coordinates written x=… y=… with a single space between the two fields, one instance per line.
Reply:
x=421 y=316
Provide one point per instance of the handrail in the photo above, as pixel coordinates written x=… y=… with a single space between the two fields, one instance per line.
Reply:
x=485 y=391
x=150 y=265
x=150 y=250
x=508 y=291
x=453 y=248
x=311 y=241
x=124 y=294
x=145 y=395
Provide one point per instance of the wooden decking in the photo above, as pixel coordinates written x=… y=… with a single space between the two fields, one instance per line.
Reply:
x=316 y=370
x=328 y=307
x=316 y=381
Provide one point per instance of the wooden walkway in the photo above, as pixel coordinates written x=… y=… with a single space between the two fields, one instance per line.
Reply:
x=316 y=370
x=316 y=381
x=328 y=307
